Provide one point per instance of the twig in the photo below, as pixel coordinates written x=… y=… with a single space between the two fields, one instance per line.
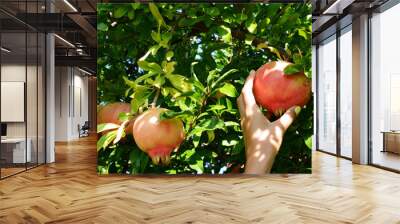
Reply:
x=203 y=104
x=153 y=104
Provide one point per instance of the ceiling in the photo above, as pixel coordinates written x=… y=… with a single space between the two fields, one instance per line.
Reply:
x=74 y=22
x=330 y=15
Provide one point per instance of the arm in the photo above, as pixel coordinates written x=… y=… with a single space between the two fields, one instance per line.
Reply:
x=262 y=137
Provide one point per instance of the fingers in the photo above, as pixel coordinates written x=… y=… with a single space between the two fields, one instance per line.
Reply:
x=250 y=107
x=287 y=119
x=247 y=90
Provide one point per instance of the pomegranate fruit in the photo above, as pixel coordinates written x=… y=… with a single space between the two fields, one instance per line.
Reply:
x=276 y=91
x=158 y=138
x=110 y=112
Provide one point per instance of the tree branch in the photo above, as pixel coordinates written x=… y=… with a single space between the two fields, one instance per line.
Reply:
x=238 y=34
x=153 y=104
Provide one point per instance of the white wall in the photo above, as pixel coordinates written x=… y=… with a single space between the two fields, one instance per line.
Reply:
x=71 y=102
x=34 y=125
x=12 y=73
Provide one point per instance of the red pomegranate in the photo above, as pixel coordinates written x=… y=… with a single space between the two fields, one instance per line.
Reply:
x=276 y=91
x=158 y=138
x=110 y=112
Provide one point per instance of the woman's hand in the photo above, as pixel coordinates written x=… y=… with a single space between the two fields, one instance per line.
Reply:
x=262 y=137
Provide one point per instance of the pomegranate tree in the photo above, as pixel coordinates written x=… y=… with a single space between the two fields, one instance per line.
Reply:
x=276 y=91
x=110 y=112
x=158 y=138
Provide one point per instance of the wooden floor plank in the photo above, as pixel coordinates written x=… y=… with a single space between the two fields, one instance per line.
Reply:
x=70 y=191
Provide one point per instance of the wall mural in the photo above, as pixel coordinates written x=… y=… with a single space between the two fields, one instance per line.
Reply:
x=204 y=88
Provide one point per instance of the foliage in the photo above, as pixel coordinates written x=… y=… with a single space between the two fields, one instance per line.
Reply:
x=193 y=59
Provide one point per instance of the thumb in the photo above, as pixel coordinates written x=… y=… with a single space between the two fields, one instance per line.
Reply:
x=287 y=119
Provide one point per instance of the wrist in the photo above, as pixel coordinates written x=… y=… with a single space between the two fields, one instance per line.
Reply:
x=260 y=162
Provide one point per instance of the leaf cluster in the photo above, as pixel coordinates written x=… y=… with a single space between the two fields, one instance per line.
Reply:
x=193 y=59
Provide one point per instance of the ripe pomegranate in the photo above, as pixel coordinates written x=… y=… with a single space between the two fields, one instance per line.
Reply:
x=158 y=138
x=110 y=112
x=276 y=91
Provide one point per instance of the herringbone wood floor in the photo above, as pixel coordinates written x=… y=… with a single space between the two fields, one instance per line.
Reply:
x=70 y=191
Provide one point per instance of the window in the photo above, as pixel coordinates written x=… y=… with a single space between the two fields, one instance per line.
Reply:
x=385 y=89
x=327 y=95
x=22 y=76
x=346 y=92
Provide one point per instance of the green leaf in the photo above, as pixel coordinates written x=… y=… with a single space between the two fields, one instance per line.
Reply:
x=106 y=127
x=213 y=11
x=164 y=92
x=231 y=123
x=123 y=116
x=159 y=81
x=211 y=136
x=225 y=33
x=229 y=143
x=145 y=77
x=106 y=139
x=180 y=82
x=135 y=5
x=211 y=124
x=131 y=14
x=166 y=37
x=252 y=27
x=229 y=90
x=138 y=161
x=270 y=48
x=308 y=142
x=154 y=49
x=292 y=69
x=226 y=74
x=171 y=171
x=172 y=114
x=228 y=104
x=120 y=133
x=169 y=55
x=213 y=74
x=302 y=33
x=156 y=36
x=249 y=39
x=130 y=83
x=120 y=11
x=139 y=98
x=198 y=166
x=102 y=27
x=150 y=66
x=156 y=13
x=169 y=67
x=196 y=138
x=188 y=153
x=275 y=51
x=172 y=91
x=217 y=107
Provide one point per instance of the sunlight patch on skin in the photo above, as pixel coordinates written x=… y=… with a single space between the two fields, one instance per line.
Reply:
x=249 y=111
x=260 y=135
x=286 y=119
x=275 y=141
x=278 y=131
x=262 y=158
